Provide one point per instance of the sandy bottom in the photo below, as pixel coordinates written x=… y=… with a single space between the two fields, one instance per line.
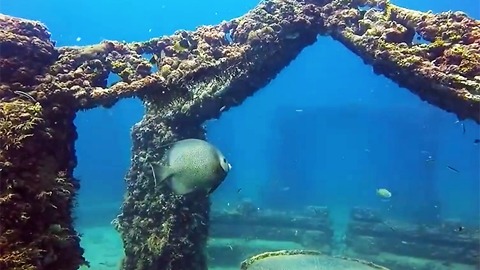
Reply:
x=412 y=262
x=104 y=250
x=103 y=247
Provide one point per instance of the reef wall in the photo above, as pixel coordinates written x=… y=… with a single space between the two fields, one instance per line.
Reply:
x=200 y=74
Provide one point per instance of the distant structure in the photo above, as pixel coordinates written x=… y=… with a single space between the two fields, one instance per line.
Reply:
x=200 y=75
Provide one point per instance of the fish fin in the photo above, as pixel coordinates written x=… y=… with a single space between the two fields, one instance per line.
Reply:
x=179 y=188
x=154 y=59
x=214 y=187
x=160 y=173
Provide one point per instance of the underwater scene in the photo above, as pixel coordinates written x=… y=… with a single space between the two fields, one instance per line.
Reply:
x=252 y=135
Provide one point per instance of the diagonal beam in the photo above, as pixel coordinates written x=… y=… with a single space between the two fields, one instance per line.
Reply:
x=435 y=56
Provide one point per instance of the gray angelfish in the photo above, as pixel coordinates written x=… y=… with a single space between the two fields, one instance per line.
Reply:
x=192 y=164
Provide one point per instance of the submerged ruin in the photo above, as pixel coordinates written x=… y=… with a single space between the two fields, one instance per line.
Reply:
x=200 y=74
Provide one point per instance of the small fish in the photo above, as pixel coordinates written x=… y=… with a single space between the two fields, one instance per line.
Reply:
x=192 y=164
x=476 y=141
x=238 y=190
x=155 y=59
x=429 y=159
x=453 y=169
x=459 y=229
x=384 y=193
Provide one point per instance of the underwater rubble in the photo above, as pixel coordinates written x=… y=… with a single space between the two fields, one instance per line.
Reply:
x=200 y=74
x=388 y=242
x=238 y=234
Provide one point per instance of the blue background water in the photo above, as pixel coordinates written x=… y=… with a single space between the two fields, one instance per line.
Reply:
x=326 y=131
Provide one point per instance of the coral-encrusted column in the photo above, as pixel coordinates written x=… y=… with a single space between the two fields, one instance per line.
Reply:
x=37 y=156
x=37 y=189
x=161 y=230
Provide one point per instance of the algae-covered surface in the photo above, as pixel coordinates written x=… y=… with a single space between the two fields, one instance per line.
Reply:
x=193 y=76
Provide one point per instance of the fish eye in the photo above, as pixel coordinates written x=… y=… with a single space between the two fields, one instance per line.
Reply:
x=224 y=160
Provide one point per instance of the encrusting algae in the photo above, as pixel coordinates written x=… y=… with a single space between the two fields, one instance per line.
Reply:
x=36 y=192
x=201 y=74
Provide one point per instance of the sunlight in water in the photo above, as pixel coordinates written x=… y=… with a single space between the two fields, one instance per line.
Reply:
x=319 y=151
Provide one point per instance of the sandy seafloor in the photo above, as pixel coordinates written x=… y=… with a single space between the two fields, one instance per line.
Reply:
x=104 y=249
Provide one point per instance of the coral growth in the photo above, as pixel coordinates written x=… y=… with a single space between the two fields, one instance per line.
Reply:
x=36 y=191
x=444 y=69
x=179 y=241
x=201 y=74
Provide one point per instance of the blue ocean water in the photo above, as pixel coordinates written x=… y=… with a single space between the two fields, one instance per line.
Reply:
x=326 y=131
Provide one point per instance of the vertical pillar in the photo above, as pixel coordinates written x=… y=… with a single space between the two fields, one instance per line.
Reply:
x=160 y=230
x=37 y=189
